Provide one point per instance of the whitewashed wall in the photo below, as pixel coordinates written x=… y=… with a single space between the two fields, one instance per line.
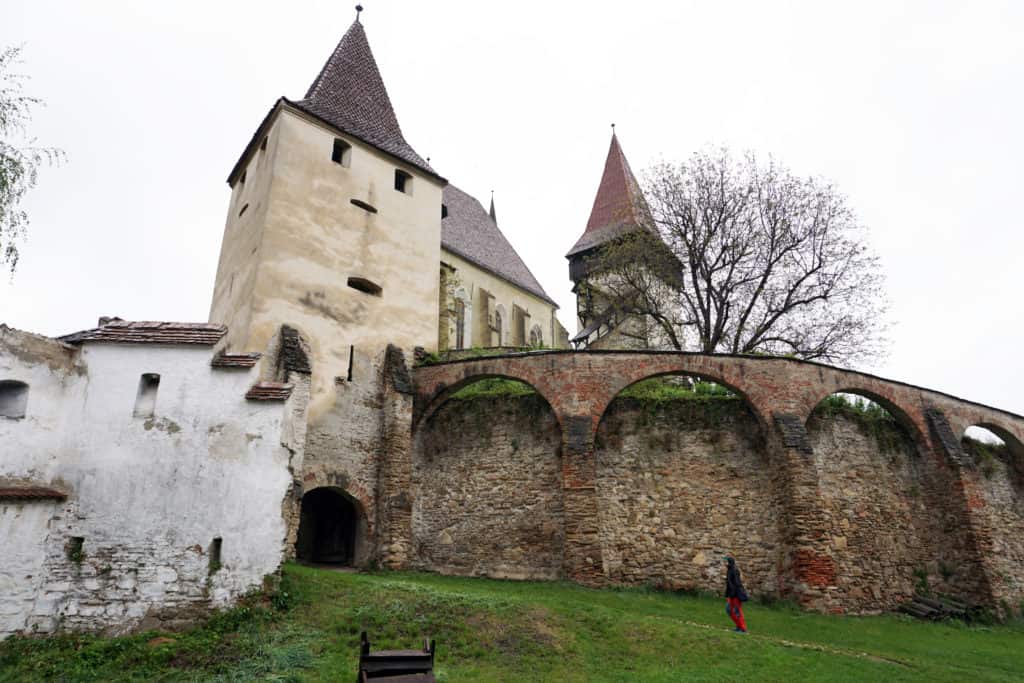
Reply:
x=148 y=495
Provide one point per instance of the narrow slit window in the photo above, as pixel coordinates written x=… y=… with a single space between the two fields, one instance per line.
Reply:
x=342 y=152
x=13 y=399
x=241 y=180
x=444 y=211
x=145 y=401
x=215 y=548
x=403 y=181
x=263 y=145
x=364 y=285
x=244 y=209
x=76 y=549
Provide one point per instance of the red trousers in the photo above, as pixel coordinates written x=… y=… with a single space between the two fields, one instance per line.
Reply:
x=734 y=608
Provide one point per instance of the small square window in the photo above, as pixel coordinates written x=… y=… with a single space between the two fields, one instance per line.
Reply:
x=403 y=181
x=341 y=154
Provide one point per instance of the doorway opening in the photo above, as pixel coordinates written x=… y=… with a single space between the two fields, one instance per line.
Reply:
x=329 y=523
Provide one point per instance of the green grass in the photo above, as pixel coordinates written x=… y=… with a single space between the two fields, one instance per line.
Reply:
x=509 y=631
x=664 y=389
x=493 y=387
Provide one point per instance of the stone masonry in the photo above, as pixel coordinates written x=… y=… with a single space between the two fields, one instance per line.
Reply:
x=839 y=502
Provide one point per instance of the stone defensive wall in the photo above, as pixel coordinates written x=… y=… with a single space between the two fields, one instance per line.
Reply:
x=576 y=481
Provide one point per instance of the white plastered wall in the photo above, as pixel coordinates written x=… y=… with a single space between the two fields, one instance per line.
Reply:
x=147 y=495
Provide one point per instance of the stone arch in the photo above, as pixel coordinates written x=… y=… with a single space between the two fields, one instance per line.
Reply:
x=486 y=482
x=679 y=482
x=906 y=419
x=333 y=527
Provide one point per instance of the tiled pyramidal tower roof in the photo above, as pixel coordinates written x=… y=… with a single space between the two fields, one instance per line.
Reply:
x=619 y=206
x=349 y=94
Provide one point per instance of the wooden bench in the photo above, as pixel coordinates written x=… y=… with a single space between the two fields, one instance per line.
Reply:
x=396 y=666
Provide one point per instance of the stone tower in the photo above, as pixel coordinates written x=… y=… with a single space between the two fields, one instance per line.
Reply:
x=333 y=227
x=619 y=209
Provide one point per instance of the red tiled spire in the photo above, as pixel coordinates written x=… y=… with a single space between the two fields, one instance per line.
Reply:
x=619 y=205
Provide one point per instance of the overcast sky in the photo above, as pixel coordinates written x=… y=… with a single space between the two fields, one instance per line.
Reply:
x=915 y=110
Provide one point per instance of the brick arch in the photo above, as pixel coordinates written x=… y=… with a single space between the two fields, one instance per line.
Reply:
x=442 y=393
x=1012 y=441
x=629 y=378
x=910 y=418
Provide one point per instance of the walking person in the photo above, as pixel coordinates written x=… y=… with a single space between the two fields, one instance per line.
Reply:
x=735 y=595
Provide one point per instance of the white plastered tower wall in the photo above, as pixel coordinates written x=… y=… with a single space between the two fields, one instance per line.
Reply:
x=292 y=259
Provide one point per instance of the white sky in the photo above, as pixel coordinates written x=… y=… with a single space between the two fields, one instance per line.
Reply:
x=915 y=109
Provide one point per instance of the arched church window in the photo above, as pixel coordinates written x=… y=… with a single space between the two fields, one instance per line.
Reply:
x=460 y=324
x=536 y=337
x=498 y=324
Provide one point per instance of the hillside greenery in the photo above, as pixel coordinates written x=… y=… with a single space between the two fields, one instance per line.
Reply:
x=489 y=630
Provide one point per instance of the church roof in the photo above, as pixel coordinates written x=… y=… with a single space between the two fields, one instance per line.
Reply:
x=349 y=94
x=468 y=231
x=619 y=206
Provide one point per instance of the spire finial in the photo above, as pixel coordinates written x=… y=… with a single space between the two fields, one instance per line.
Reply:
x=359 y=8
x=613 y=129
x=492 y=212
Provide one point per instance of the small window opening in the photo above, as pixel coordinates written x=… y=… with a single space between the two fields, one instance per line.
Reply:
x=444 y=211
x=76 y=549
x=13 y=399
x=215 y=547
x=145 y=401
x=403 y=181
x=241 y=180
x=364 y=285
x=342 y=152
x=243 y=210
x=263 y=145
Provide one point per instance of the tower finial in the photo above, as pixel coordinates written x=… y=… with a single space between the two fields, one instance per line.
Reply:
x=359 y=8
x=493 y=214
x=613 y=129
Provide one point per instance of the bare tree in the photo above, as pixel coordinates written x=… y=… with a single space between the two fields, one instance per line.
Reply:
x=19 y=163
x=751 y=259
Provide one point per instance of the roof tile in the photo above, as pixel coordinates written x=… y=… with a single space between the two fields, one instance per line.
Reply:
x=619 y=206
x=468 y=231
x=349 y=94
x=149 y=332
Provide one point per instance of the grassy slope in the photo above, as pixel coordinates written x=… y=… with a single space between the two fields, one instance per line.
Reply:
x=506 y=631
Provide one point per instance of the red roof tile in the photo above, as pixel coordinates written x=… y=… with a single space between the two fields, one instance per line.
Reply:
x=269 y=391
x=149 y=332
x=619 y=206
x=235 y=360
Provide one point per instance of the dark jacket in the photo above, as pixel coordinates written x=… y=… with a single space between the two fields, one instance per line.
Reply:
x=733 y=583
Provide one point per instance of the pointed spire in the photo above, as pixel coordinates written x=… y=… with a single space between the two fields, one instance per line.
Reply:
x=619 y=205
x=349 y=94
x=494 y=214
